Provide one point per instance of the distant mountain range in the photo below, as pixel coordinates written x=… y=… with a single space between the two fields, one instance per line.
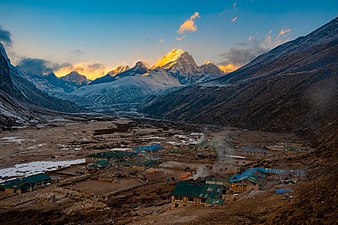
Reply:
x=124 y=85
x=56 y=86
x=291 y=87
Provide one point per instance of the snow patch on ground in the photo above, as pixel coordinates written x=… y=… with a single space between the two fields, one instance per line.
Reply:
x=192 y=139
x=120 y=149
x=36 y=146
x=236 y=156
x=27 y=169
x=12 y=139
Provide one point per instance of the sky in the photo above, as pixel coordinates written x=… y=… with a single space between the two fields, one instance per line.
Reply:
x=96 y=36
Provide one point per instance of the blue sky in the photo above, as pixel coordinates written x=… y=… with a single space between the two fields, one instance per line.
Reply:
x=115 y=32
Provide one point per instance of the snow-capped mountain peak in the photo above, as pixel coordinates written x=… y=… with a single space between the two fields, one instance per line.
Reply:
x=210 y=68
x=169 y=58
x=75 y=77
x=118 y=69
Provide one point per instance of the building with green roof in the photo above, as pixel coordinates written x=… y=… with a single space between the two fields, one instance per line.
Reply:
x=192 y=193
x=110 y=155
x=20 y=185
x=102 y=164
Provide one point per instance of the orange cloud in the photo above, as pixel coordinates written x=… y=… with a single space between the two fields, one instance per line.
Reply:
x=90 y=70
x=271 y=42
x=180 y=38
x=189 y=24
x=283 y=32
x=228 y=68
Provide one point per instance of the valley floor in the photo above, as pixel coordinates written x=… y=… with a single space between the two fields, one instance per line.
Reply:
x=142 y=195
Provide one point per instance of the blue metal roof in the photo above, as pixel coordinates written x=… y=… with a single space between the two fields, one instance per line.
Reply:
x=147 y=148
x=283 y=191
x=255 y=175
x=274 y=171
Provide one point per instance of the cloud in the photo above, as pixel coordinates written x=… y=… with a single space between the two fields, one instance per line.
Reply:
x=77 y=52
x=89 y=69
x=5 y=36
x=180 y=38
x=188 y=26
x=161 y=41
x=283 y=32
x=35 y=66
x=234 y=6
x=243 y=53
x=41 y=67
x=228 y=68
x=234 y=19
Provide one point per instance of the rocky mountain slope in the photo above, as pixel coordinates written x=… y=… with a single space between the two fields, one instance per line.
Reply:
x=111 y=75
x=181 y=65
x=77 y=78
x=20 y=100
x=292 y=87
x=54 y=85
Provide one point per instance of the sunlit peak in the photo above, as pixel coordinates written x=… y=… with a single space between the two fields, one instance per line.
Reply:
x=172 y=56
x=207 y=62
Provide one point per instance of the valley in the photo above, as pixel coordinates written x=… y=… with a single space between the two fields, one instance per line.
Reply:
x=136 y=194
x=250 y=139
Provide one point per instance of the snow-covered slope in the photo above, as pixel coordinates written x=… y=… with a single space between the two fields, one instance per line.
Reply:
x=139 y=69
x=111 y=76
x=51 y=84
x=128 y=89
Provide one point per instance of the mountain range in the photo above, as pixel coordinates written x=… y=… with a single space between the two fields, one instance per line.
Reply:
x=54 y=85
x=290 y=88
x=126 y=85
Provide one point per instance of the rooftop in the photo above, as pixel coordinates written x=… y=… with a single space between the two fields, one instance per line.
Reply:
x=198 y=190
x=256 y=175
x=26 y=181
x=111 y=154
x=102 y=162
x=147 y=148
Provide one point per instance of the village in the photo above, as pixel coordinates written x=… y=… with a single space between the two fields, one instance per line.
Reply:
x=140 y=168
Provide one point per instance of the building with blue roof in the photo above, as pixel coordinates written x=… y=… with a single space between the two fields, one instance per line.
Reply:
x=255 y=178
x=147 y=149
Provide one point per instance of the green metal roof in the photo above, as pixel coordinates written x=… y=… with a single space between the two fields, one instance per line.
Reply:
x=111 y=154
x=25 y=182
x=36 y=178
x=102 y=162
x=198 y=190
x=16 y=183
x=175 y=151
